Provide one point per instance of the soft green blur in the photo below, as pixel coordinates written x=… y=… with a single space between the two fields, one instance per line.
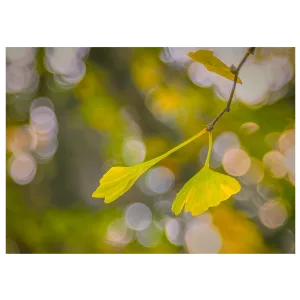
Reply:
x=73 y=113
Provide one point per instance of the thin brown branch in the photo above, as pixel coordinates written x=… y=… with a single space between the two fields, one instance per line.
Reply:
x=235 y=71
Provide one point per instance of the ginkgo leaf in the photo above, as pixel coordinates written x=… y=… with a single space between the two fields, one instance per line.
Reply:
x=118 y=180
x=212 y=63
x=206 y=189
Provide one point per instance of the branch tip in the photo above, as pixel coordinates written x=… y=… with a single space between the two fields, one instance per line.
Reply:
x=252 y=50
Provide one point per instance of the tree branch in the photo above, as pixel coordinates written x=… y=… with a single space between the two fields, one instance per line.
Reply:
x=235 y=71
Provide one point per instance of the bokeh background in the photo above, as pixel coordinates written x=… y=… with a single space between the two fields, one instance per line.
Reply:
x=72 y=113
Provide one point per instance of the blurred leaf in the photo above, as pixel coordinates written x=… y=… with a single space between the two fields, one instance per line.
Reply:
x=118 y=180
x=146 y=71
x=39 y=61
x=206 y=189
x=212 y=63
x=240 y=235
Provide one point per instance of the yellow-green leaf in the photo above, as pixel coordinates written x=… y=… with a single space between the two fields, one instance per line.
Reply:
x=118 y=180
x=206 y=189
x=212 y=63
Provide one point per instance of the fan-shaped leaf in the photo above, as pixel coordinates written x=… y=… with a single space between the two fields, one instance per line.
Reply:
x=206 y=189
x=212 y=63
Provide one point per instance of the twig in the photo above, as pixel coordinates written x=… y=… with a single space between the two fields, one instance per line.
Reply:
x=235 y=71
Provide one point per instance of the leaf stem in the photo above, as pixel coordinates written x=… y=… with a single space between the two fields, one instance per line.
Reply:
x=211 y=125
x=184 y=143
x=209 y=149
